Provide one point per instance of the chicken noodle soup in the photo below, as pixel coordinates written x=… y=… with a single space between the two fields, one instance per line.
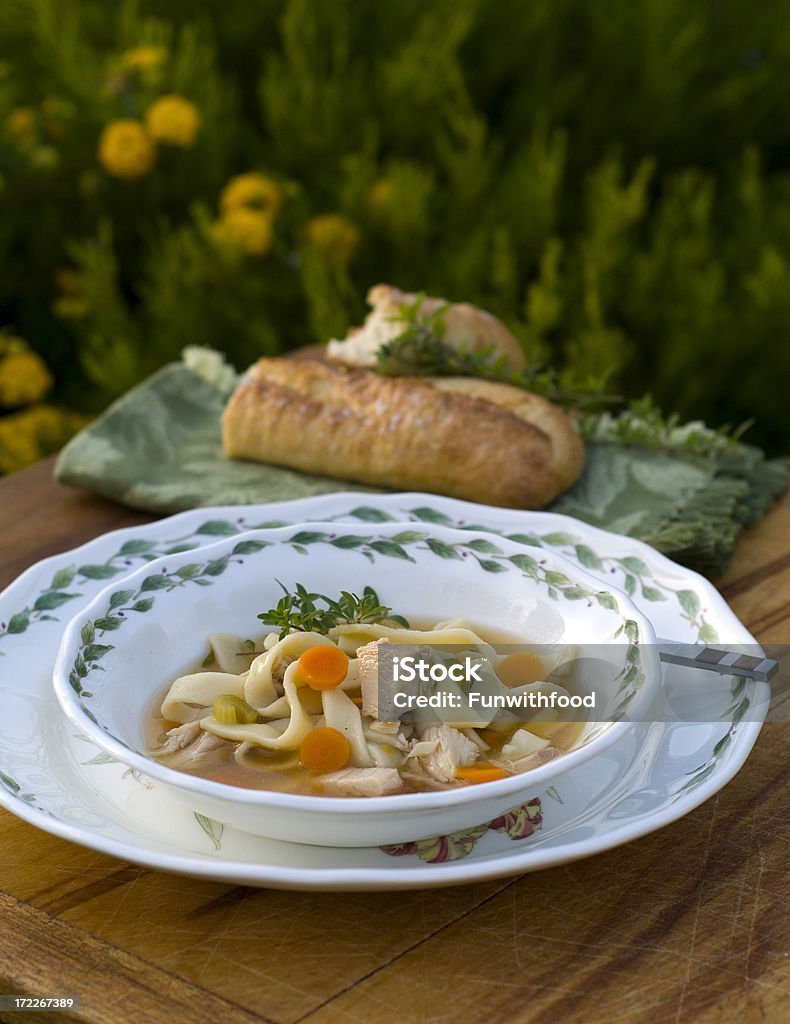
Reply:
x=299 y=712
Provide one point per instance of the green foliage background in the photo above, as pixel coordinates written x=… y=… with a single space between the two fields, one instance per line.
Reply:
x=609 y=176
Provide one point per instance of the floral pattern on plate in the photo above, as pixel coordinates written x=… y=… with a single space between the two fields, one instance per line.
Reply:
x=49 y=778
x=519 y=823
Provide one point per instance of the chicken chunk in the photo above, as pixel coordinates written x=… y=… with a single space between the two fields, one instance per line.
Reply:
x=187 y=745
x=368 y=675
x=180 y=737
x=362 y=782
x=442 y=750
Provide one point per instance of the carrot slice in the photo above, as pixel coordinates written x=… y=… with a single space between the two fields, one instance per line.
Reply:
x=521 y=668
x=324 y=667
x=481 y=773
x=325 y=750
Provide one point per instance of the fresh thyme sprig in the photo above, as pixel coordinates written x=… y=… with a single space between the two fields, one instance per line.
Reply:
x=420 y=350
x=302 y=611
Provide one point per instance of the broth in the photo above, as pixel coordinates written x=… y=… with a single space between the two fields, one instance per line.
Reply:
x=251 y=767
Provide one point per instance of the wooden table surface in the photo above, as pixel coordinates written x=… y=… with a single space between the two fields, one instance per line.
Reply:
x=689 y=924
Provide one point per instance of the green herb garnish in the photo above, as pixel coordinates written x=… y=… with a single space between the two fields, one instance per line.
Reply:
x=304 y=612
x=420 y=350
x=643 y=423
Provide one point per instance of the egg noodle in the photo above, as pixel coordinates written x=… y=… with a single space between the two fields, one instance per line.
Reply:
x=301 y=712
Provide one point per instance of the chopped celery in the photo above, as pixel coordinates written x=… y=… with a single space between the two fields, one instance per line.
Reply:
x=232 y=710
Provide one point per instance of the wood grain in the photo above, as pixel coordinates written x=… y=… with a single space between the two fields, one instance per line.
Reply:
x=51 y=956
x=756 y=586
x=679 y=926
x=39 y=517
x=688 y=925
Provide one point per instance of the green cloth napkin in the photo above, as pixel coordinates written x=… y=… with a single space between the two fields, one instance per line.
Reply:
x=158 y=448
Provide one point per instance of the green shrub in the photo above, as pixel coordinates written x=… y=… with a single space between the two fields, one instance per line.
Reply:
x=606 y=176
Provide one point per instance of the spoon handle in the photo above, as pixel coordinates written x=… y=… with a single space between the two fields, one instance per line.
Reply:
x=717 y=659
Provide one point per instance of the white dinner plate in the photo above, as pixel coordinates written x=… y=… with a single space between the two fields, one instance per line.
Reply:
x=56 y=779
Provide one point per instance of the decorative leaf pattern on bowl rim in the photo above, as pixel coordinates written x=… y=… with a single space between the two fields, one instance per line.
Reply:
x=490 y=558
x=634 y=575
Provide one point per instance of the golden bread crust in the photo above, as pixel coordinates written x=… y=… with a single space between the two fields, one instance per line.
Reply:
x=471 y=439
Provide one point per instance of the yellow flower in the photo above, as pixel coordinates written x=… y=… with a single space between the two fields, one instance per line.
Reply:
x=254 y=191
x=126 y=150
x=334 y=237
x=173 y=120
x=244 y=230
x=21 y=125
x=24 y=378
x=145 y=59
x=18 y=444
x=33 y=433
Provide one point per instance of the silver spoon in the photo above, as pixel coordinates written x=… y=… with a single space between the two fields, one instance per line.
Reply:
x=718 y=659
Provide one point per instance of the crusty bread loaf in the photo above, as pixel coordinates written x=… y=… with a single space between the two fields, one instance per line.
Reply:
x=472 y=439
x=466 y=327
